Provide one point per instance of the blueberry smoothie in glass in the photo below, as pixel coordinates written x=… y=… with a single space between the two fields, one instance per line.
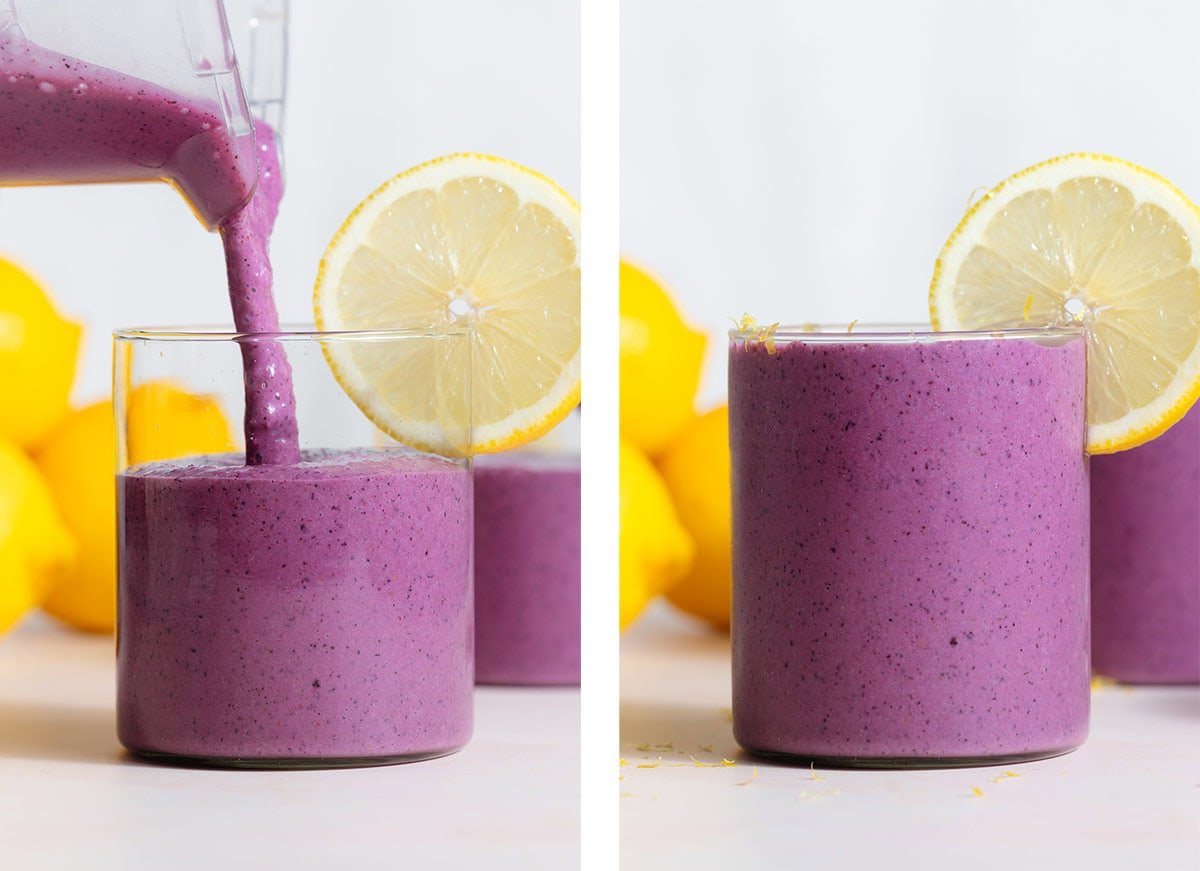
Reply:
x=311 y=613
x=1146 y=559
x=910 y=546
x=527 y=569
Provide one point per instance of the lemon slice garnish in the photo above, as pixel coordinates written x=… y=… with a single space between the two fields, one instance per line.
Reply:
x=1100 y=242
x=472 y=243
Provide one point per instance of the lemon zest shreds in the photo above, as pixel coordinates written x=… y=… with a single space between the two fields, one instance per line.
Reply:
x=706 y=748
x=1100 y=682
x=624 y=763
x=1028 y=307
x=753 y=777
x=724 y=763
x=853 y=324
x=727 y=713
x=812 y=769
x=650 y=764
x=976 y=195
x=656 y=748
x=976 y=792
x=769 y=338
x=763 y=335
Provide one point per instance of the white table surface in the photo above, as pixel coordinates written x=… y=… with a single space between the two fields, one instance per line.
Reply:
x=1129 y=798
x=71 y=798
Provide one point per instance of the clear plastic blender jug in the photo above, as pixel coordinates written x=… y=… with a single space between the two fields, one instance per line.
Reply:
x=125 y=90
x=260 y=29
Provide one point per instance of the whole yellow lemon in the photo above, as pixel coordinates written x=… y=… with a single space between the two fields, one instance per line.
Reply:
x=35 y=544
x=38 y=353
x=166 y=422
x=695 y=468
x=655 y=548
x=79 y=462
x=661 y=359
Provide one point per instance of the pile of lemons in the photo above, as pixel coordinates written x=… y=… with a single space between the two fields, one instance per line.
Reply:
x=675 y=511
x=57 y=464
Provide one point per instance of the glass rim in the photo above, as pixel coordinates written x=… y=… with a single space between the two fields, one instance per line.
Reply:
x=224 y=333
x=897 y=333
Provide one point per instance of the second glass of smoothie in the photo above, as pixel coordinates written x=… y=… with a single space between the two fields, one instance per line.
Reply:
x=305 y=613
x=527 y=562
x=910 y=545
x=1146 y=559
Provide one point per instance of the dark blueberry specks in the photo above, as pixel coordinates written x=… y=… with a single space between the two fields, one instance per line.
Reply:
x=316 y=610
x=915 y=584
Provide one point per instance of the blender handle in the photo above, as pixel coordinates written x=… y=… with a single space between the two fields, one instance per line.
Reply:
x=266 y=66
x=8 y=17
x=210 y=51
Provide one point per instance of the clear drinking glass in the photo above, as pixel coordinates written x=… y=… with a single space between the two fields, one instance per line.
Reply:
x=308 y=614
x=527 y=562
x=910 y=545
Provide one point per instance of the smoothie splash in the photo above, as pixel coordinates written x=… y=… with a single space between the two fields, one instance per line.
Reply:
x=270 y=423
x=63 y=120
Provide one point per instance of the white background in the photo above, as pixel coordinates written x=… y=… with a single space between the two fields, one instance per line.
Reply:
x=374 y=87
x=805 y=161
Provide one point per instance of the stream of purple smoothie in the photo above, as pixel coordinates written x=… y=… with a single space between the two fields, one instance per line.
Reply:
x=272 y=436
x=63 y=120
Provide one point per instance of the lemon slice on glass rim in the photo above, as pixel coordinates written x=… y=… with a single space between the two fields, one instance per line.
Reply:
x=1097 y=241
x=471 y=243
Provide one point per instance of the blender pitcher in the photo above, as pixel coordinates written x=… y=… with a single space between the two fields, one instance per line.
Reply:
x=126 y=90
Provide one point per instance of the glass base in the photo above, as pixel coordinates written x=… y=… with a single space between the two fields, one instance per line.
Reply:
x=527 y=683
x=285 y=763
x=909 y=762
x=1156 y=681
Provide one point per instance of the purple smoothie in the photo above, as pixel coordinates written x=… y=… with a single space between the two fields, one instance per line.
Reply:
x=1146 y=559
x=272 y=435
x=910 y=549
x=63 y=120
x=527 y=569
x=318 y=612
